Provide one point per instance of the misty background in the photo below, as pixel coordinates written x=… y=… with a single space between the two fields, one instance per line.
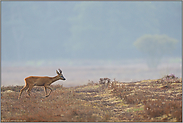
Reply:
x=125 y=40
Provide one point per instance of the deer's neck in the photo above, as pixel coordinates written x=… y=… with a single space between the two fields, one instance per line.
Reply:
x=53 y=79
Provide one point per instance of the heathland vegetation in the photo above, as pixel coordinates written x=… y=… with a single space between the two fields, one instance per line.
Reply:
x=108 y=100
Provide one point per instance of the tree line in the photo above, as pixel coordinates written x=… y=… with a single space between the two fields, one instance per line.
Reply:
x=96 y=30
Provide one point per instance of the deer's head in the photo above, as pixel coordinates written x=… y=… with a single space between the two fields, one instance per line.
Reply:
x=59 y=72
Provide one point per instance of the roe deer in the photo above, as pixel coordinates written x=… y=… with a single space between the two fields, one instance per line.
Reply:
x=32 y=81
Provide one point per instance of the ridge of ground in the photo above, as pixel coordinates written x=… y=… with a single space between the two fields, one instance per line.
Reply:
x=157 y=100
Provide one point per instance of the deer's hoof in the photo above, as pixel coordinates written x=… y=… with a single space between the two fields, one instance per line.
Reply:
x=28 y=96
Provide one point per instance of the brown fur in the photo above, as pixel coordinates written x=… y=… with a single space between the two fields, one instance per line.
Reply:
x=45 y=81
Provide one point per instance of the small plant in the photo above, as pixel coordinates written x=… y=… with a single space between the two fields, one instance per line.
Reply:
x=170 y=76
x=104 y=81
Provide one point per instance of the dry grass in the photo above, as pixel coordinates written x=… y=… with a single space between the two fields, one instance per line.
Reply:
x=161 y=99
x=145 y=101
x=64 y=104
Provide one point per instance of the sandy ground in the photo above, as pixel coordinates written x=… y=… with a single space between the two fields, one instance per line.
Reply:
x=83 y=74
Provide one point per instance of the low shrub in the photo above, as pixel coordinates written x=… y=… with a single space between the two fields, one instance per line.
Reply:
x=158 y=108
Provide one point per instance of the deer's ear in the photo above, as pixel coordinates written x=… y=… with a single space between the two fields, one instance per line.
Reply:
x=57 y=72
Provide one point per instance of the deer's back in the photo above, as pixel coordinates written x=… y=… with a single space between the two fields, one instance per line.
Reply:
x=37 y=80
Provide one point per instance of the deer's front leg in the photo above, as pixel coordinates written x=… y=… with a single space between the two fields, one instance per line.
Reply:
x=50 y=90
x=45 y=89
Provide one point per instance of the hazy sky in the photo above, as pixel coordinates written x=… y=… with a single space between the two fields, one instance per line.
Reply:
x=57 y=30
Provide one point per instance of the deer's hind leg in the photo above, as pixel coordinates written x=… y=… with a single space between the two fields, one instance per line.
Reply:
x=24 y=88
x=30 y=88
